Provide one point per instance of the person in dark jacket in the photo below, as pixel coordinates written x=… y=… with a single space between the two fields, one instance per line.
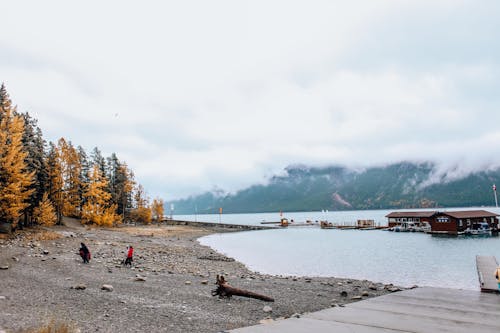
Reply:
x=130 y=255
x=84 y=253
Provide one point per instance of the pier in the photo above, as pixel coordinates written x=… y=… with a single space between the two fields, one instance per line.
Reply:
x=419 y=310
x=486 y=266
x=241 y=227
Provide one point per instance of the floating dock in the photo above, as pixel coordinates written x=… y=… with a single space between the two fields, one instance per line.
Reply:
x=486 y=266
x=217 y=225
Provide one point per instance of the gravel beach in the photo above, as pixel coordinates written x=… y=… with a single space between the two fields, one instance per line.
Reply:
x=168 y=288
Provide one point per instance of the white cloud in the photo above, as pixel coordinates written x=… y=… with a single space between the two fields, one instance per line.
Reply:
x=225 y=93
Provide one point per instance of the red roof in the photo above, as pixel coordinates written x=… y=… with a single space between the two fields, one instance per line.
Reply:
x=463 y=214
x=466 y=214
x=412 y=214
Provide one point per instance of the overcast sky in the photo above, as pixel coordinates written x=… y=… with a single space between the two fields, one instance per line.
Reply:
x=197 y=94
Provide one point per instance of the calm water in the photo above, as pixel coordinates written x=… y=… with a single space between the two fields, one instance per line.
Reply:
x=341 y=217
x=401 y=258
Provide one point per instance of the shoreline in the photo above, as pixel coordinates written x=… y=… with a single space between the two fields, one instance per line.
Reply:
x=167 y=289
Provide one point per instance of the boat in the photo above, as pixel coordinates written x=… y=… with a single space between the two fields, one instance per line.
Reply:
x=424 y=227
x=411 y=227
x=406 y=227
x=284 y=222
x=481 y=228
x=326 y=225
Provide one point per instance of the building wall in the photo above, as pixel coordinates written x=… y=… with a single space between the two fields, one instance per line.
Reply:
x=446 y=227
x=492 y=223
x=395 y=223
x=453 y=225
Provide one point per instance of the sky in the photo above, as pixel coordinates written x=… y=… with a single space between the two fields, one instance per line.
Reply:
x=197 y=95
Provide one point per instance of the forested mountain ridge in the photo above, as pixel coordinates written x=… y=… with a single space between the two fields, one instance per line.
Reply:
x=399 y=185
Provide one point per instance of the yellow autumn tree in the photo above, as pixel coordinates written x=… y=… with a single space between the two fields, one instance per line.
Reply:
x=14 y=177
x=157 y=209
x=56 y=181
x=98 y=208
x=45 y=213
x=70 y=171
x=142 y=211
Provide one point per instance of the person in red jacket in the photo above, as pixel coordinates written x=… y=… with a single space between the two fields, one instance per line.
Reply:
x=130 y=255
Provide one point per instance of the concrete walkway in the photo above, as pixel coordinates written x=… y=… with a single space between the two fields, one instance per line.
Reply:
x=423 y=310
x=486 y=267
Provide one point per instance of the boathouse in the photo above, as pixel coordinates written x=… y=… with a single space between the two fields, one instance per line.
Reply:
x=398 y=218
x=458 y=222
x=453 y=222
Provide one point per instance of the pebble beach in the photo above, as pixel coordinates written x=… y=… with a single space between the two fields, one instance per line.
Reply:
x=167 y=289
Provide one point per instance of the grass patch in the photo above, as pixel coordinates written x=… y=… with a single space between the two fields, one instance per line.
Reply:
x=54 y=326
x=43 y=235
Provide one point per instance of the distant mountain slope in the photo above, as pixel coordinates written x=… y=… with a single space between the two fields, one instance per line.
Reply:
x=400 y=185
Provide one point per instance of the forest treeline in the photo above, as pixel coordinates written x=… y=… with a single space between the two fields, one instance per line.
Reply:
x=40 y=181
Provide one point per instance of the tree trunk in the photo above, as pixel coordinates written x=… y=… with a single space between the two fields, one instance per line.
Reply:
x=225 y=290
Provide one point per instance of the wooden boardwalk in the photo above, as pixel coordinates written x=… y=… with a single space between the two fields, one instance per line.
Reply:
x=420 y=310
x=486 y=266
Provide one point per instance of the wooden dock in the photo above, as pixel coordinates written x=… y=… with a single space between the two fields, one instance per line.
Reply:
x=238 y=227
x=420 y=310
x=486 y=266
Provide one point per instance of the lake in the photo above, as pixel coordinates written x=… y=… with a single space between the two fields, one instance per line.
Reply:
x=404 y=259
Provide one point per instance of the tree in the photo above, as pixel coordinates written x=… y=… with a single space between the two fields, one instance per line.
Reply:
x=34 y=145
x=123 y=188
x=84 y=173
x=71 y=170
x=15 y=179
x=158 y=209
x=97 y=159
x=98 y=208
x=141 y=212
x=45 y=213
x=56 y=181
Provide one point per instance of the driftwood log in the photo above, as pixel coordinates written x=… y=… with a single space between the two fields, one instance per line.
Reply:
x=224 y=290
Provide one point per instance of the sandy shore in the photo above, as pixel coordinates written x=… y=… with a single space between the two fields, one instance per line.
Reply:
x=168 y=289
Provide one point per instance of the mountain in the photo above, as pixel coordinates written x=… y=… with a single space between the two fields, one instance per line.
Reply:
x=400 y=185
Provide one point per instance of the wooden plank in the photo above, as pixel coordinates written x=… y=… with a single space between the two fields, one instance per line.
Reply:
x=443 y=311
x=420 y=310
x=407 y=321
x=486 y=266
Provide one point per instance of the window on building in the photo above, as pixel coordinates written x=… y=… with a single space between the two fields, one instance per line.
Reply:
x=442 y=219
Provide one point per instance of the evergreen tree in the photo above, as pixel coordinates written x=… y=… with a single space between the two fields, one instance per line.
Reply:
x=15 y=179
x=34 y=145
x=97 y=159
x=84 y=173
x=113 y=166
